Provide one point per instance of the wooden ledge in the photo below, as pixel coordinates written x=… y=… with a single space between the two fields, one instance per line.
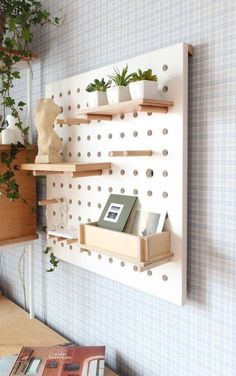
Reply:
x=30 y=57
x=24 y=239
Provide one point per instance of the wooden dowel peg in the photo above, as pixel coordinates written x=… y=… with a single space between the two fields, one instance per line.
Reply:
x=44 y=173
x=49 y=202
x=72 y=241
x=85 y=173
x=98 y=117
x=130 y=153
x=162 y=110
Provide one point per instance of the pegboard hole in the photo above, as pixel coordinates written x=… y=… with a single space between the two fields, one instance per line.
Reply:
x=78 y=90
x=99 y=206
x=122 y=172
x=88 y=187
x=78 y=106
x=122 y=116
x=149 y=273
x=69 y=155
x=149 y=113
x=110 y=172
x=61 y=109
x=54 y=213
x=165 y=173
x=149 y=132
x=70 y=216
x=78 y=138
x=89 y=204
x=89 y=220
x=69 y=92
x=165 y=152
x=61 y=185
x=135 y=134
x=54 y=184
x=89 y=253
x=88 y=154
x=165 y=194
x=52 y=96
x=135 y=114
x=165 y=131
x=122 y=190
x=99 y=137
x=110 y=260
x=122 y=135
x=70 y=201
x=62 y=245
x=99 y=257
x=110 y=189
x=165 y=277
x=135 y=172
x=54 y=242
x=110 y=135
x=99 y=188
x=122 y=264
x=149 y=173
x=70 y=186
x=69 y=139
x=79 y=202
x=79 y=218
x=70 y=247
x=79 y=154
x=135 y=191
x=164 y=67
x=88 y=138
x=99 y=154
x=135 y=268
x=165 y=89
x=149 y=193
x=69 y=108
x=60 y=95
x=79 y=186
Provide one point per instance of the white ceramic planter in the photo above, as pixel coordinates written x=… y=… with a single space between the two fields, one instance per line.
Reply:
x=97 y=98
x=145 y=89
x=12 y=126
x=116 y=94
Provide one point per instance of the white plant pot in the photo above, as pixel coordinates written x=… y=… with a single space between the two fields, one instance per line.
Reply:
x=145 y=89
x=97 y=98
x=12 y=126
x=116 y=94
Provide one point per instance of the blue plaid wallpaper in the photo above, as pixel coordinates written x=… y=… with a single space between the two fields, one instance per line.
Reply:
x=145 y=336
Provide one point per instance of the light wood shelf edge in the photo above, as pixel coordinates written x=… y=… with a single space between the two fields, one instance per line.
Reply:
x=31 y=57
x=65 y=167
x=18 y=240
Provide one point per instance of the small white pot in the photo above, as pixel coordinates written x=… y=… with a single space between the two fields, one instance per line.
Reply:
x=144 y=89
x=116 y=94
x=97 y=98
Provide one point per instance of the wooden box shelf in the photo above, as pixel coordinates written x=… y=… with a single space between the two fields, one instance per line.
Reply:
x=137 y=105
x=143 y=251
x=76 y=170
x=18 y=222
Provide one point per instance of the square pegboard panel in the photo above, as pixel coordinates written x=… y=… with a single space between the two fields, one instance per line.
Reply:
x=159 y=180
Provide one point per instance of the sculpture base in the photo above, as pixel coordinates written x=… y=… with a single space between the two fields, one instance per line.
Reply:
x=55 y=158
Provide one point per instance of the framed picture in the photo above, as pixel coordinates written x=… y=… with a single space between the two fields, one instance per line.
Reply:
x=116 y=212
x=147 y=223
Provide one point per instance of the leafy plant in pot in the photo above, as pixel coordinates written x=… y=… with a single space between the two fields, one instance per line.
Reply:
x=143 y=84
x=18 y=18
x=119 y=92
x=97 y=92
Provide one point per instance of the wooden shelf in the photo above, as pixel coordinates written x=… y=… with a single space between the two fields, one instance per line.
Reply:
x=31 y=57
x=138 y=105
x=145 y=252
x=75 y=170
x=23 y=239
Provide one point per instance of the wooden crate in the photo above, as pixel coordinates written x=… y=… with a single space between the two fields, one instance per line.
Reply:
x=17 y=221
x=132 y=248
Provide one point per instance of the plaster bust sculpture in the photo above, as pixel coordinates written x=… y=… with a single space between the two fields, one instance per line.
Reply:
x=49 y=143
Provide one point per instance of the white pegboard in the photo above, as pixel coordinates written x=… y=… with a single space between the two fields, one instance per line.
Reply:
x=85 y=197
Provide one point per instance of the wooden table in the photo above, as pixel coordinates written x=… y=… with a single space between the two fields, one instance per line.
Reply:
x=18 y=330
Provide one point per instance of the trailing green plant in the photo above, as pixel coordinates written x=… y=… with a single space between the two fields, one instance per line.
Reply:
x=18 y=18
x=52 y=259
x=121 y=78
x=143 y=75
x=98 y=85
x=8 y=184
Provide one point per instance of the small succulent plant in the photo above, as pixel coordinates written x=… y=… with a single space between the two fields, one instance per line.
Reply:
x=97 y=85
x=121 y=78
x=145 y=75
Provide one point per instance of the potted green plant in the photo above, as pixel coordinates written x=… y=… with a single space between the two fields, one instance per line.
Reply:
x=97 y=92
x=143 y=84
x=120 y=91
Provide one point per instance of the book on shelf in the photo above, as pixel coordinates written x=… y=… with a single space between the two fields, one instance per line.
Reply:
x=60 y=361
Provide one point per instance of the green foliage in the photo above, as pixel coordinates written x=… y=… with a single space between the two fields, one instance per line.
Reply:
x=121 y=78
x=145 y=75
x=20 y=17
x=53 y=259
x=98 y=85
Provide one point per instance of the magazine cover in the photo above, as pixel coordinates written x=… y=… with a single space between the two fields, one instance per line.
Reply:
x=60 y=361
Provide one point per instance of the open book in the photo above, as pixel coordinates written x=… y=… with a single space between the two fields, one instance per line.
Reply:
x=60 y=361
